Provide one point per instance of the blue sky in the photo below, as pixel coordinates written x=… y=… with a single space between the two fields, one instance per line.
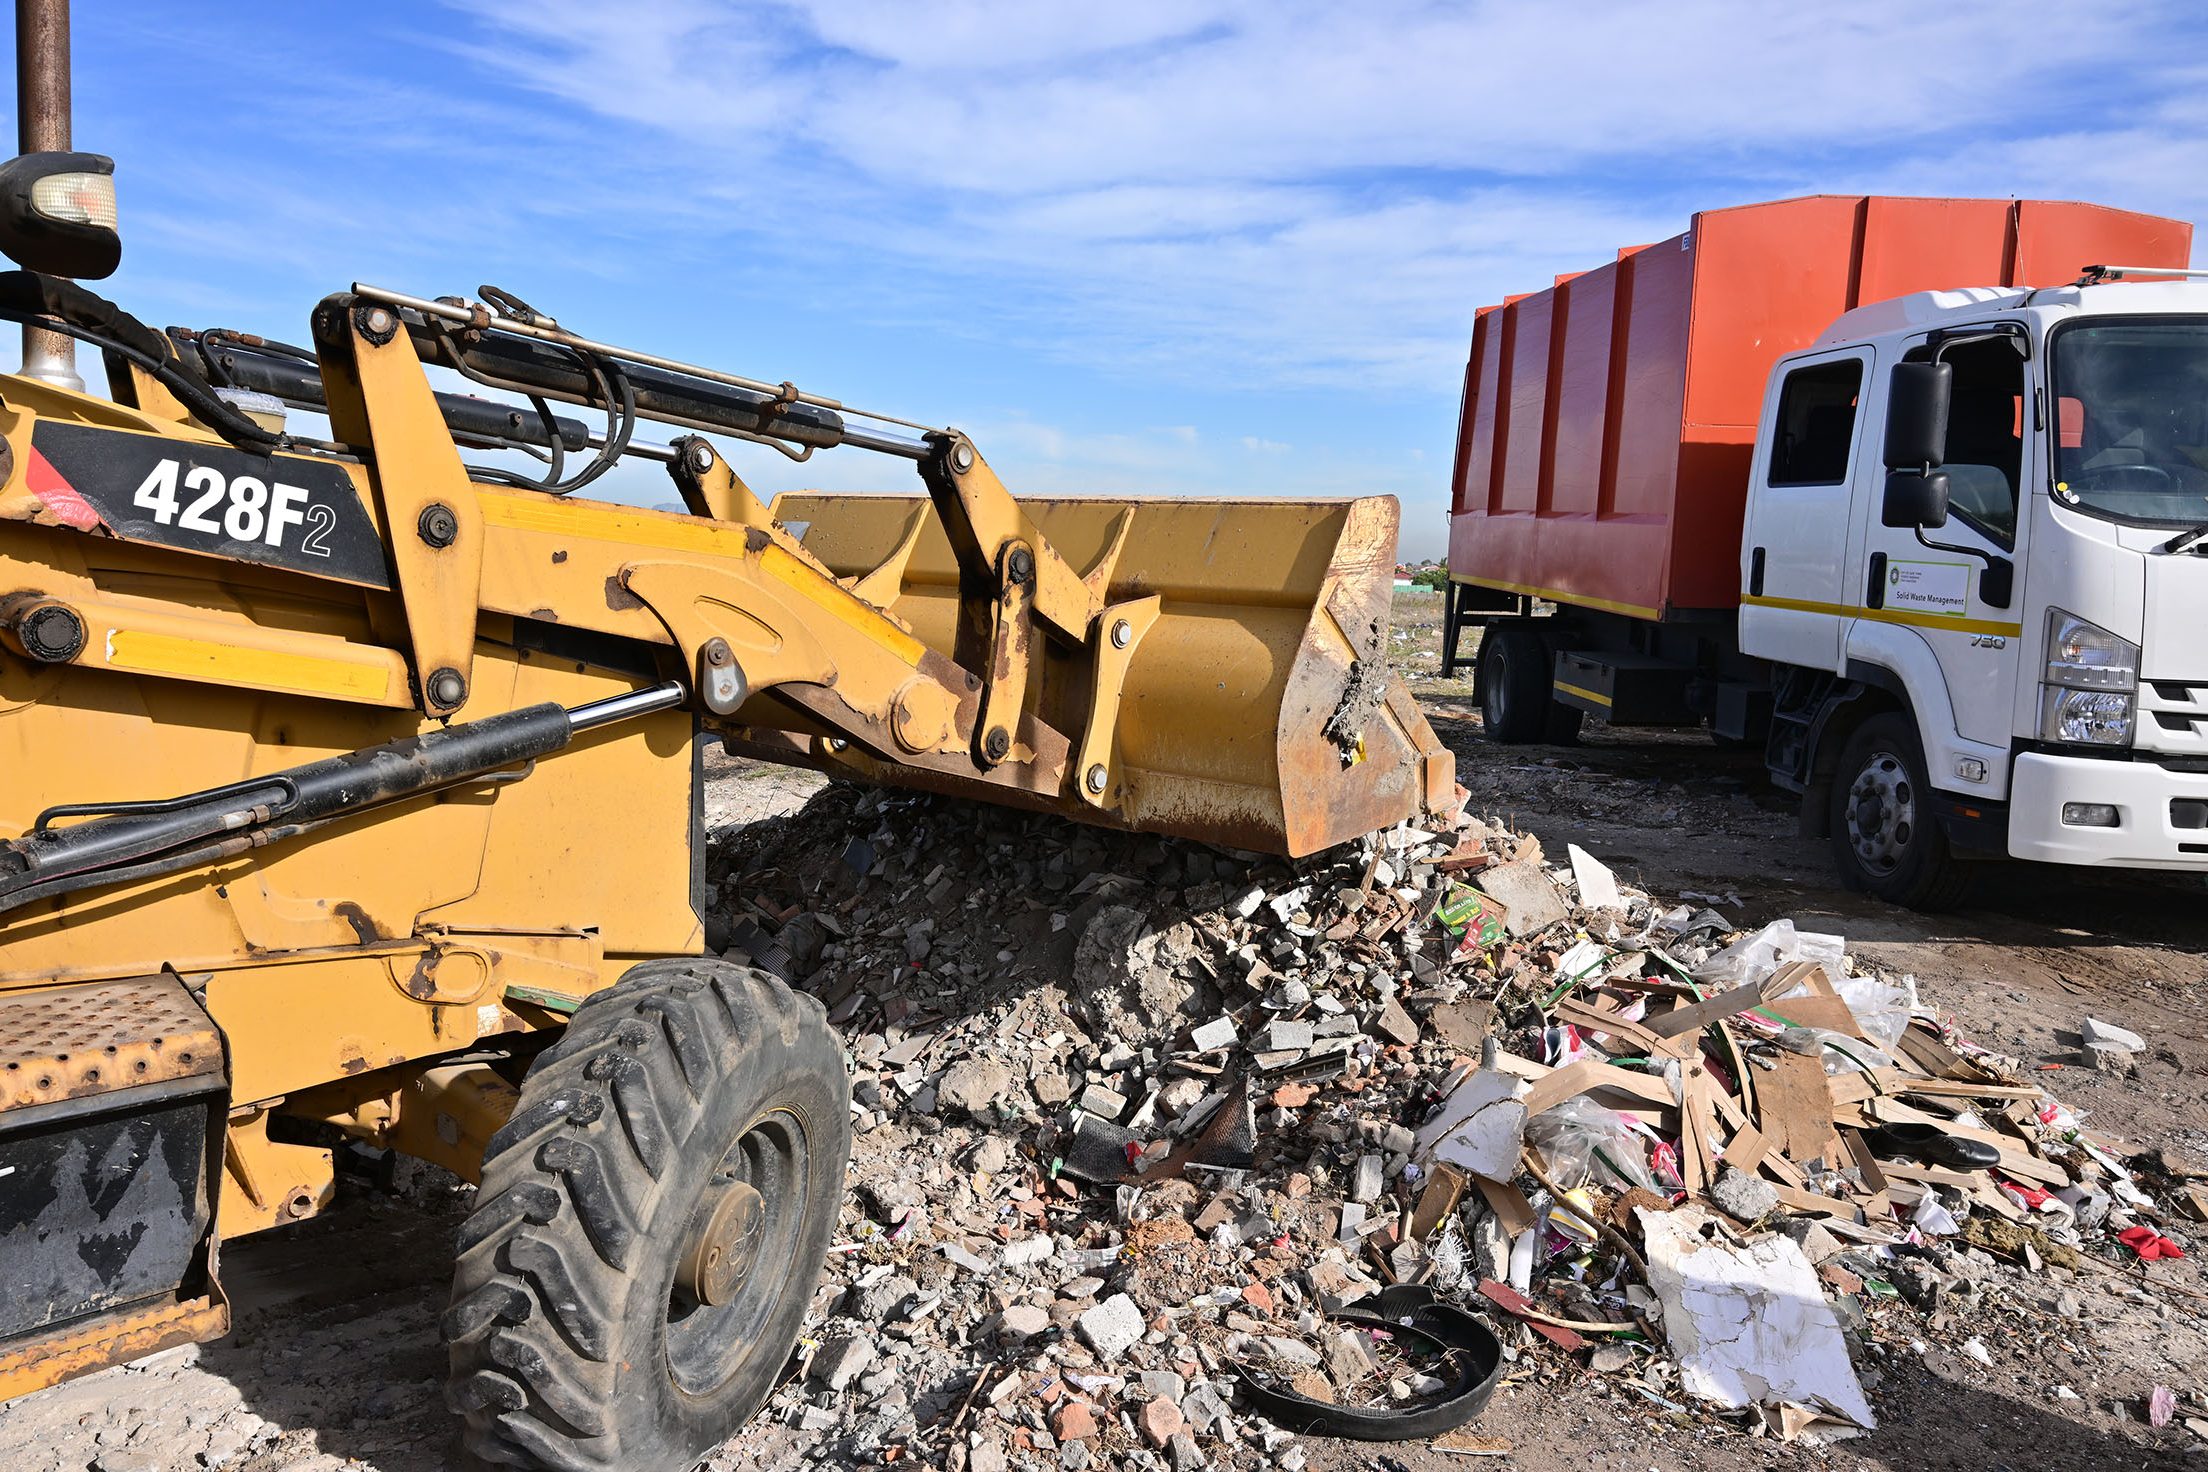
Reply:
x=1146 y=248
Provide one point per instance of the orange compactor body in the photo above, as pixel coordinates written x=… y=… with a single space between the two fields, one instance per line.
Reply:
x=1608 y=421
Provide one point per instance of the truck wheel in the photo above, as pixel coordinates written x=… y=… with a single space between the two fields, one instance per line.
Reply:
x=651 y=1223
x=1515 y=702
x=1884 y=834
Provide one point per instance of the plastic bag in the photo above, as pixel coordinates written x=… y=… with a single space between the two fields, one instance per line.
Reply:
x=1753 y=957
x=1882 y=1007
x=1840 y=1052
x=1585 y=1143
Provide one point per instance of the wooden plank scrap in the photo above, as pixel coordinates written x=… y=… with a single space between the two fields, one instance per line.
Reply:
x=1829 y=1013
x=1444 y=1189
x=1938 y=1059
x=1812 y=1203
x=1594 y=1019
x=1697 y=1015
x=1508 y=1203
x=1854 y=1086
x=1698 y=1141
x=1747 y=1150
x=1516 y=1304
x=1797 y=1108
x=1940 y=1088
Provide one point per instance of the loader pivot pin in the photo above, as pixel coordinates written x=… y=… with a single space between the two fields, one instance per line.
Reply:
x=721 y=1251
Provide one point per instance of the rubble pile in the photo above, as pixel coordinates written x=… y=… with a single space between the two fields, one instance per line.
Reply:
x=1136 y=1121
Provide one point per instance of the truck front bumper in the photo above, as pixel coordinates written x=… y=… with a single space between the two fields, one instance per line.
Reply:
x=2152 y=806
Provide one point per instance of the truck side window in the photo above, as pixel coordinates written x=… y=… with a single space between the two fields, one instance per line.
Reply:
x=1985 y=442
x=1816 y=424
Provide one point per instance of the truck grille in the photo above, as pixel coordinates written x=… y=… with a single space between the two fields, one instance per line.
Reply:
x=2174 y=715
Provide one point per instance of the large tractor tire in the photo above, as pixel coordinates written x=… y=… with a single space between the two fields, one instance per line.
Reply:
x=652 y=1223
x=1518 y=705
x=1886 y=838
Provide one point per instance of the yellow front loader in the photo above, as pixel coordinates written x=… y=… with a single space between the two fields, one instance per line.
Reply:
x=350 y=791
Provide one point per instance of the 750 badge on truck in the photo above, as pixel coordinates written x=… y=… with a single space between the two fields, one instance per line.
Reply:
x=284 y=510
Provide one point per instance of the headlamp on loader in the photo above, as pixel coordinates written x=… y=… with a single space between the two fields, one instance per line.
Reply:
x=57 y=214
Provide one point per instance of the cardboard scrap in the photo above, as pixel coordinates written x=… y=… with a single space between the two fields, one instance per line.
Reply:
x=1589 y=1074
x=1750 y=1325
x=1509 y=1204
x=1797 y=1105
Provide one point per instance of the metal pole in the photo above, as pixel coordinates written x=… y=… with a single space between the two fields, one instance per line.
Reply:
x=42 y=126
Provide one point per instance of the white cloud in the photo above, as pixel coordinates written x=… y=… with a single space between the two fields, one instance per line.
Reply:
x=1308 y=193
x=1254 y=199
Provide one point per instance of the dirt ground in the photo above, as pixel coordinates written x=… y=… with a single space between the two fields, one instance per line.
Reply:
x=336 y=1360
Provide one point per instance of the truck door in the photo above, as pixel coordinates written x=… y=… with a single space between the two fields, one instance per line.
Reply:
x=1795 y=585
x=1941 y=593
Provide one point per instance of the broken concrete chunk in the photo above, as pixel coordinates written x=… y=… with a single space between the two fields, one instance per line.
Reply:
x=1023 y=1321
x=1290 y=1351
x=1744 y=1196
x=1396 y=1025
x=2099 y=1034
x=841 y=1360
x=1102 y=1102
x=1213 y=1035
x=1281 y=1036
x=1112 y=1328
x=973 y=1085
x=1528 y=897
x=1348 y=1359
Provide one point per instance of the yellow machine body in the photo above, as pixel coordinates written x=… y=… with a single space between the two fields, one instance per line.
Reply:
x=1213 y=669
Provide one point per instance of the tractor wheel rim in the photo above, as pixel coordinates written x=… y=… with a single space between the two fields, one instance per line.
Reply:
x=1500 y=686
x=1882 y=813
x=751 y=1212
x=723 y=1247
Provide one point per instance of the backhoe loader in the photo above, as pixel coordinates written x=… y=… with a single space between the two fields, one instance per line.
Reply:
x=350 y=794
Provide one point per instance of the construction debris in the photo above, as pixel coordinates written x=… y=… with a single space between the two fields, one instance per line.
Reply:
x=1140 y=1122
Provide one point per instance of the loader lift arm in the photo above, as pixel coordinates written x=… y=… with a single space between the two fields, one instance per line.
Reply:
x=757 y=622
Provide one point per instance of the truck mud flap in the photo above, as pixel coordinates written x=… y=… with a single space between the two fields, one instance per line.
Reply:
x=113 y=1097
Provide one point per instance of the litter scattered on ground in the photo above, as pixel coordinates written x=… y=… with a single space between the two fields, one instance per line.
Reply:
x=1138 y=1121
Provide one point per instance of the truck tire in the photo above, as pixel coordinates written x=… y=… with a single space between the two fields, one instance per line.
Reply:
x=1885 y=837
x=1514 y=685
x=651 y=1223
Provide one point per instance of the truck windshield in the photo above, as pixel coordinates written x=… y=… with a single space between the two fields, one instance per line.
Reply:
x=2131 y=430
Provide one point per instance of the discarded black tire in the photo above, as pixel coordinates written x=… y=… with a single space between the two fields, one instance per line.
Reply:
x=651 y=1223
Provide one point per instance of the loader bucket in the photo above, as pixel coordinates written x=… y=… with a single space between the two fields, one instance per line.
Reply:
x=1257 y=712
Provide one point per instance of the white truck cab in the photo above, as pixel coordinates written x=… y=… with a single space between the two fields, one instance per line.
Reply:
x=1976 y=550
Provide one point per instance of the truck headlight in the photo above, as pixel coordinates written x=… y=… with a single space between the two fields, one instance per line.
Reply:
x=2092 y=677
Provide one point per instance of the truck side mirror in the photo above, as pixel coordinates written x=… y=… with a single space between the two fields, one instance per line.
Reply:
x=1917 y=397
x=1915 y=498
